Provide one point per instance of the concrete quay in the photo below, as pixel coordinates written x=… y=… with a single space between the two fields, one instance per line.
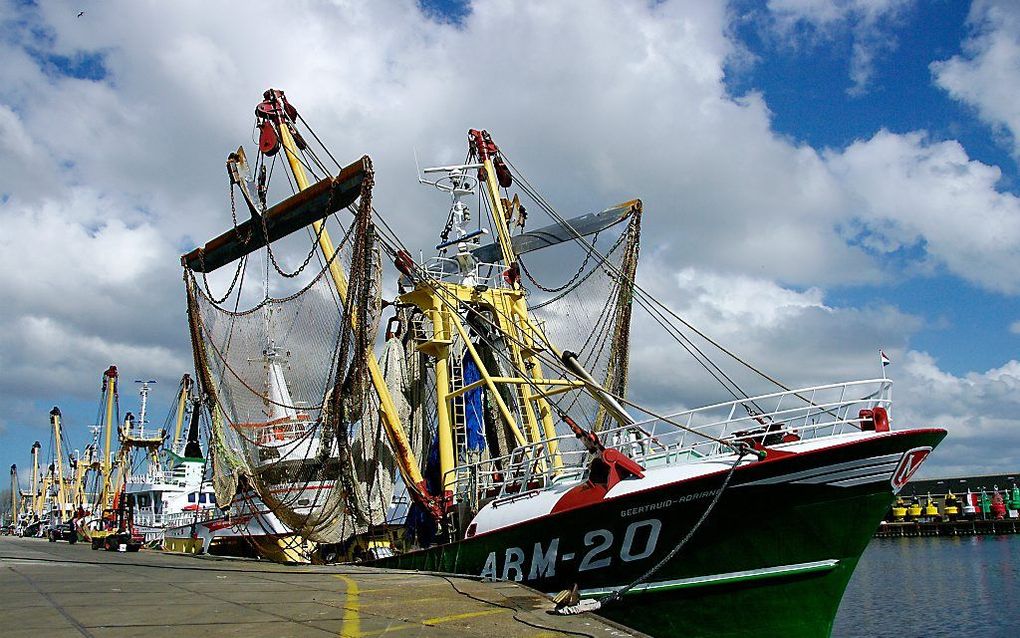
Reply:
x=59 y=590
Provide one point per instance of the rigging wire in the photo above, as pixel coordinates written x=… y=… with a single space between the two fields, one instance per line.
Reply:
x=650 y=298
x=316 y=137
x=436 y=286
x=644 y=298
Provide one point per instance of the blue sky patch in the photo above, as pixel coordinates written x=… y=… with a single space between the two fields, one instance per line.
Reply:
x=83 y=65
x=806 y=85
x=452 y=11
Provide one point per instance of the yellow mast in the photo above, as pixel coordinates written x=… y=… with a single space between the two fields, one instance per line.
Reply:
x=76 y=482
x=394 y=429
x=59 y=478
x=447 y=461
x=14 y=494
x=498 y=213
x=519 y=308
x=110 y=394
x=182 y=406
x=83 y=463
x=40 y=500
x=35 y=476
x=122 y=462
x=522 y=399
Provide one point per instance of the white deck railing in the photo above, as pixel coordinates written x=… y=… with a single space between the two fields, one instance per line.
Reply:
x=769 y=419
x=283 y=433
x=158 y=479
x=447 y=269
x=176 y=519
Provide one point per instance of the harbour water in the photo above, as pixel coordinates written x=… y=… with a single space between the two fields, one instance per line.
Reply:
x=934 y=586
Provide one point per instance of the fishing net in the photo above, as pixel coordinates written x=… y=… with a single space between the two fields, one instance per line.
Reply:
x=409 y=383
x=590 y=314
x=294 y=413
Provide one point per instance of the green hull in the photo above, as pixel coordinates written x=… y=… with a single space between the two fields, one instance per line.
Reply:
x=773 y=558
x=795 y=606
x=796 y=603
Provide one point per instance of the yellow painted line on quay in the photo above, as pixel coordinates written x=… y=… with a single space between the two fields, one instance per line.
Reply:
x=351 y=625
x=471 y=614
x=431 y=622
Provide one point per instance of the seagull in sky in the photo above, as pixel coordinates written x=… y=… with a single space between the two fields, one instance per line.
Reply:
x=81 y=14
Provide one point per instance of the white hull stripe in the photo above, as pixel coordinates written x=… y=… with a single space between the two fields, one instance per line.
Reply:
x=881 y=477
x=718 y=579
x=837 y=471
x=837 y=478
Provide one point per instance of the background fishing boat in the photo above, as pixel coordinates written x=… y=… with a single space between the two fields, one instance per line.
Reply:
x=168 y=480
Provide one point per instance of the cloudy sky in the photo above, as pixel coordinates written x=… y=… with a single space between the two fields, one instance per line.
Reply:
x=821 y=179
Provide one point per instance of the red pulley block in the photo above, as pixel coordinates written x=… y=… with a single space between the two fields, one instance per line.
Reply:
x=269 y=141
x=502 y=173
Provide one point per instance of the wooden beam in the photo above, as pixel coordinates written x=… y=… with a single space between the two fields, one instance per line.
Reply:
x=292 y=214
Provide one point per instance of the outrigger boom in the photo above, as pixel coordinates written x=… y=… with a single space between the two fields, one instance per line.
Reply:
x=305 y=207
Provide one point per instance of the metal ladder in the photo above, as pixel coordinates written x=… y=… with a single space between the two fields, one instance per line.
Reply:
x=458 y=415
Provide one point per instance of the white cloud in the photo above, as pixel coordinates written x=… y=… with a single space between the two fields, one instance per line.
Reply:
x=826 y=13
x=986 y=74
x=1015 y=327
x=806 y=342
x=109 y=181
x=789 y=334
x=741 y=302
x=52 y=357
x=905 y=191
x=980 y=410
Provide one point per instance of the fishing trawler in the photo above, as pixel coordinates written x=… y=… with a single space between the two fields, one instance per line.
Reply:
x=166 y=488
x=243 y=527
x=501 y=404
x=289 y=452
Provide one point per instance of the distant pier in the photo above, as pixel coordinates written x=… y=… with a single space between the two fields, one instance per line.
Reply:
x=948 y=528
x=923 y=509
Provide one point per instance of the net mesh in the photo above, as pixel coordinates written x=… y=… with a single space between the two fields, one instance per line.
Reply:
x=294 y=414
x=590 y=314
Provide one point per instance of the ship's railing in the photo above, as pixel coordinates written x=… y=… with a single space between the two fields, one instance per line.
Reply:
x=770 y=419
x=448 y=269
x=276 y=433
x=176 y=519
x=156 y=477
x=137 y=433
